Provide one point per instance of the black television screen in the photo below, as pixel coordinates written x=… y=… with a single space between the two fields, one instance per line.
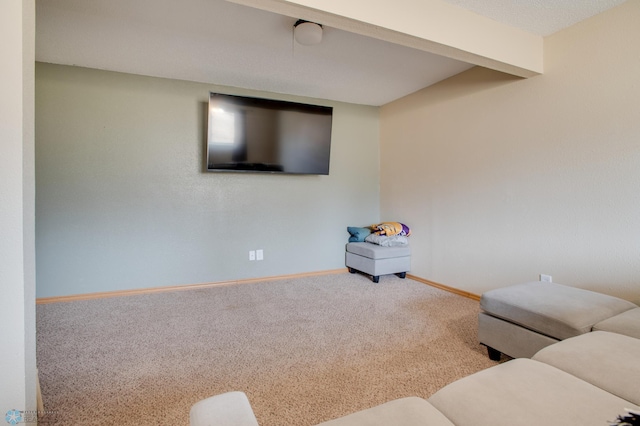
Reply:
x=265 y=135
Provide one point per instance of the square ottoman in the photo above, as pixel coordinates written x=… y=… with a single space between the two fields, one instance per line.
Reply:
x=376 y=260
x=521 y=319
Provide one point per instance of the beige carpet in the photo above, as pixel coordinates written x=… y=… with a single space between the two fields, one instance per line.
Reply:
x=304 y=350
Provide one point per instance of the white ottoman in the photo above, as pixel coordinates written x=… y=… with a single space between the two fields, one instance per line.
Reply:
x=376 y=260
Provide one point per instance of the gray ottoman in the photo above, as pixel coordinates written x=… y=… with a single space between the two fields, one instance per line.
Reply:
x=376 y=260
x=520 y=320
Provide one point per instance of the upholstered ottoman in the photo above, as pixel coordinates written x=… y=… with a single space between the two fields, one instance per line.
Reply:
x=376 y=260
x=520 y=320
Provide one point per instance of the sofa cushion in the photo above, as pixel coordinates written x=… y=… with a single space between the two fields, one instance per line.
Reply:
x=627 y=323
x=609 y=361
x=552 y=309
x=406 y=412
x=523 y=392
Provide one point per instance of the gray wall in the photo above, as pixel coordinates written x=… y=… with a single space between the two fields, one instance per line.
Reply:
x=123 y=202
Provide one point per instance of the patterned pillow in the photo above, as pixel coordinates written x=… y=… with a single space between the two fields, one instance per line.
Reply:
x=391 y=228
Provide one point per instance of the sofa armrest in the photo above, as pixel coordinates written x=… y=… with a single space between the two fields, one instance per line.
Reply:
x=227 y=409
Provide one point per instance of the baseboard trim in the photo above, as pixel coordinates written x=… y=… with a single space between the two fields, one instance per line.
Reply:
x=120 y=293
x=445 y=287
x=133 y=292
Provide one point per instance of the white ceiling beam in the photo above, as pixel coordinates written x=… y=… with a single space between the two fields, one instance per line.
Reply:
x=429 y=25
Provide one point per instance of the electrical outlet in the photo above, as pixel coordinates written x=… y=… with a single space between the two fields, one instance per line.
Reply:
x=259 y=254
x=252 y=255
x=545 y=278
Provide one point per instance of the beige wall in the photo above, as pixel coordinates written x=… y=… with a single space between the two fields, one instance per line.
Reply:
x=502 y=178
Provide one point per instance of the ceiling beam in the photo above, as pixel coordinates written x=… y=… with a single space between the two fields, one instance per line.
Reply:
x=429 y=25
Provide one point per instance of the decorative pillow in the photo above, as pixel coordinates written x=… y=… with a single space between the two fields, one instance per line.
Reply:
x=384 y=241
x=358 y=234
x=391 y=228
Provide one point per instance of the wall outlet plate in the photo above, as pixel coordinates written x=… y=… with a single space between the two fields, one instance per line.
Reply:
x=545 y=278
x=252 y=255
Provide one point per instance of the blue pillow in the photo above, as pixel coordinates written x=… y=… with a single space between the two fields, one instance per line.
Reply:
x=358 y=234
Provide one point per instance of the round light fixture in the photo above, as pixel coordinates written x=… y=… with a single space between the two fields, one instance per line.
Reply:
x=307 y=33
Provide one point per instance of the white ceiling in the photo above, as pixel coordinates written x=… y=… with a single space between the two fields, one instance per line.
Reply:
x=218 y=42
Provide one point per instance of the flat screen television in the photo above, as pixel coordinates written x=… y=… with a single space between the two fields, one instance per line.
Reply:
x=247 y=134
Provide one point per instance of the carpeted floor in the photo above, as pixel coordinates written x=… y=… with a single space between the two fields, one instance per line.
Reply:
x=304 y=350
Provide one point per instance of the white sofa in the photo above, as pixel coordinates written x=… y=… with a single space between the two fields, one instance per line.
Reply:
x=590 y=379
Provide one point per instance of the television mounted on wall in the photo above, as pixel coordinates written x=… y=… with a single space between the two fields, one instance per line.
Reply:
x=248 y=134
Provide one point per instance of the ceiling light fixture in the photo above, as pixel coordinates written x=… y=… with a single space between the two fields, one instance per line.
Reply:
x=307 y=33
